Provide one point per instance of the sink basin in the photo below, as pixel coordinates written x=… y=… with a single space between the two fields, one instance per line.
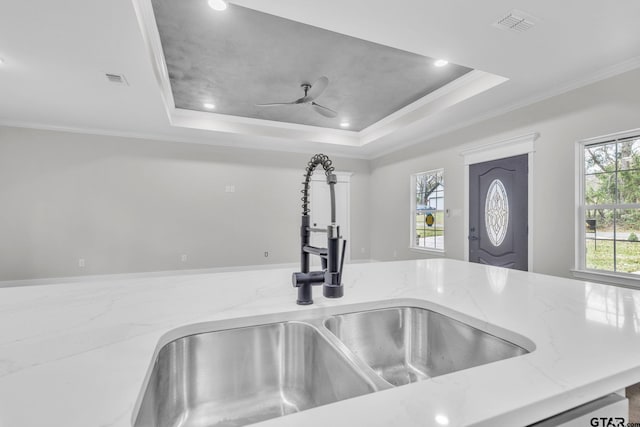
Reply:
x=245 y=375
x=408 y=344
x=242 y=371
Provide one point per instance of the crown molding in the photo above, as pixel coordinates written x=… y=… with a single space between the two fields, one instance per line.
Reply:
x=150 y=136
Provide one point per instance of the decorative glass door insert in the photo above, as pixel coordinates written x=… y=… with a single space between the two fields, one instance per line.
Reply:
x=496 y=212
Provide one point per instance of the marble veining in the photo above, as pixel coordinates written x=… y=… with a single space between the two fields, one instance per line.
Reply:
x=76 y=355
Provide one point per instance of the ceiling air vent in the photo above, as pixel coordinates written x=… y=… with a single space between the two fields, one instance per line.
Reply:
x=116 y=78
x=516 y=20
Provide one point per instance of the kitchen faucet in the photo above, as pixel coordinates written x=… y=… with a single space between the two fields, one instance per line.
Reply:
x=331 y=274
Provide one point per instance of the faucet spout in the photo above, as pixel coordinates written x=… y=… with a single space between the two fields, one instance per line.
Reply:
x=331 y=275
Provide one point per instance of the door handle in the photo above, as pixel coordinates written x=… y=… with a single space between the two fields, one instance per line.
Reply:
x=473 y=238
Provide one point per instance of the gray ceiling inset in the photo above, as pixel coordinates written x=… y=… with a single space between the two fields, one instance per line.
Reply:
x=240 y=57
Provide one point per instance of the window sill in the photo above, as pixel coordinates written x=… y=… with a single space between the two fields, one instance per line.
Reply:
x=609 y=278
x=440 y=252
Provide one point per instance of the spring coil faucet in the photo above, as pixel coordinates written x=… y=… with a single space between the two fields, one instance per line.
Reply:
x=331 y=274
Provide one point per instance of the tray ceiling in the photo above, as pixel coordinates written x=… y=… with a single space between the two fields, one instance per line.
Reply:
x=55 y=61
x=241 y=57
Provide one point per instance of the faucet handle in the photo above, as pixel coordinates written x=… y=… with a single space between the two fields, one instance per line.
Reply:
x=344 y=247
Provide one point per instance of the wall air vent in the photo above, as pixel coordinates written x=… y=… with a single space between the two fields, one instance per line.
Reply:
x=516 y=20
x=118 y=79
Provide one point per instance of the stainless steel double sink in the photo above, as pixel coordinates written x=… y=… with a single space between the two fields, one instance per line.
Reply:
x=222 y=375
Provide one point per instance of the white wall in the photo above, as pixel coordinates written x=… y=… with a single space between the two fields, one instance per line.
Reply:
x=605 y=107
x=130 y=205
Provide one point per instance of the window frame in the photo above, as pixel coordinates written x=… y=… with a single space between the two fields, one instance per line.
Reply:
x=580 y=269
x=412 y=213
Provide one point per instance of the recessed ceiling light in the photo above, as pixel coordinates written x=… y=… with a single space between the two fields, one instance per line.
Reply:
x=443 y=420
x=218 y=4
x=209 y=106
x=345 y=124
x=441 y=63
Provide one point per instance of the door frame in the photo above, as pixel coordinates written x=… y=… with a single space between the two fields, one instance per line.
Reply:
x=479 y=153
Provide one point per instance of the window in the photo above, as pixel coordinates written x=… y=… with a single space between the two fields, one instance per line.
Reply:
x=427 y=210
x=609 y=214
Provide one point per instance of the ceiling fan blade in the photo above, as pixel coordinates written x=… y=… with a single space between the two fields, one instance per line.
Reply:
x=317 y=88
x=327 y=112
x=274 y=104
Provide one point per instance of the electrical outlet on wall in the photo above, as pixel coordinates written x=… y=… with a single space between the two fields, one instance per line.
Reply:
x=230 y=188
x=266 y=254
x=183 y=258
x=81 y=263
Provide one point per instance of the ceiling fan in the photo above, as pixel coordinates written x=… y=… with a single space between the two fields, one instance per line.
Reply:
x=311 y=92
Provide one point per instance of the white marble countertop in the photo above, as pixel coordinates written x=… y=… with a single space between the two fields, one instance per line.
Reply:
x=76 y=355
